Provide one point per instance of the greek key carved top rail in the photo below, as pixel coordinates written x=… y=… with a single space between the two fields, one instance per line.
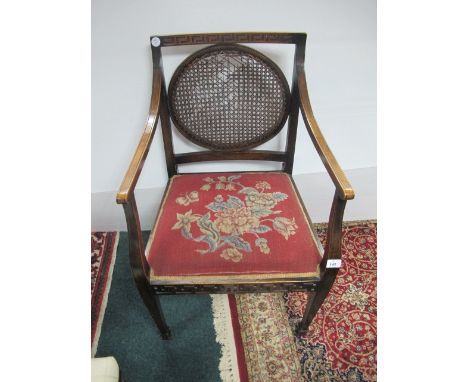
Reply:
x=246 y=37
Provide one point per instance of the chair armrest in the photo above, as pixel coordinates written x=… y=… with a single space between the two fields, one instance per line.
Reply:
x=131 y=177
x=345 y=191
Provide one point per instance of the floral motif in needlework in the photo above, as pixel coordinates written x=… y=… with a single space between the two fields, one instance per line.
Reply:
x=237 y=220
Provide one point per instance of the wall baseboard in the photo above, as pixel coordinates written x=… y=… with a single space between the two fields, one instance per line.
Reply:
x=316 y=191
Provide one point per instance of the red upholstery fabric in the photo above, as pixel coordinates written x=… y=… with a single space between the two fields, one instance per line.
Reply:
x=232 y=225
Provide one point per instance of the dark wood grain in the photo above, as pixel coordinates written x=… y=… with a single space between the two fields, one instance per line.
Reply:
x=235 y=288
x=299 y=56
x=334 y=231
x=165 y=120
x=200 y=156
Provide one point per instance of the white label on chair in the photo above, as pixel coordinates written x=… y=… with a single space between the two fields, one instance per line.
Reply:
x=334 y=263
x=155 y=42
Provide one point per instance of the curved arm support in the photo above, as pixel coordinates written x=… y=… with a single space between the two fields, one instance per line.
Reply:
x=140 y=267
x=131 y=177
x=138 y=263
x=334 y=233
x=345 y=191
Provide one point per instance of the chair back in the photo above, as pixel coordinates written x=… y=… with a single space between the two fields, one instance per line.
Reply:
x=229 y=98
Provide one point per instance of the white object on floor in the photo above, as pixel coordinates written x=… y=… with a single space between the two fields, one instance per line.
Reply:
x=104 y=369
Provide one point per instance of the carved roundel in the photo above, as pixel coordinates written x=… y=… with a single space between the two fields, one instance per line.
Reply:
x=228 y=97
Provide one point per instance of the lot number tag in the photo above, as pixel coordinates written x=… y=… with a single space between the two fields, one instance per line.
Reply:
x=334 y=263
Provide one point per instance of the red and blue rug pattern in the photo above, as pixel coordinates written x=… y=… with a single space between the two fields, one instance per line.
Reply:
x=341 y=344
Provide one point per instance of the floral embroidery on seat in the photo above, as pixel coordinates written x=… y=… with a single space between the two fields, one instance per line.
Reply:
x=232 y=219
x=188 y=198
x=232 y=254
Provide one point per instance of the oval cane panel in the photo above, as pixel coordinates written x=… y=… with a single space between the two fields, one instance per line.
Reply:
x=228 y=97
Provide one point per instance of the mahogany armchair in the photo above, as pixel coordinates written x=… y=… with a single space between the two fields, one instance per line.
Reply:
x=231 y=232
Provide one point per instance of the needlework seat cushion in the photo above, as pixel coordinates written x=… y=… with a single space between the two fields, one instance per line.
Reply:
x=232 y=226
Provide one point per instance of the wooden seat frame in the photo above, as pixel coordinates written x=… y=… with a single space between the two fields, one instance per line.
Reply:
x=149 y=292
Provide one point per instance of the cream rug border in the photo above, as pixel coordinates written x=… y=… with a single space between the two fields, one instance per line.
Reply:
x=228 y=365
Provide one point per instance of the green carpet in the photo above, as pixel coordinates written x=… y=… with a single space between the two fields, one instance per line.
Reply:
x=129 y=334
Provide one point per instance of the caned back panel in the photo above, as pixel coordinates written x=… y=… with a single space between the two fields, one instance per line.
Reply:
x=228 y=97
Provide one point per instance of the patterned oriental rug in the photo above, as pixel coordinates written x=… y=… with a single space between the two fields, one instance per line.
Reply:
x=247 y=337
x=341 y=343
x=103 y=251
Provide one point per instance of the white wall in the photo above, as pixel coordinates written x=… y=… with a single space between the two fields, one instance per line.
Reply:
x=340 y=66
